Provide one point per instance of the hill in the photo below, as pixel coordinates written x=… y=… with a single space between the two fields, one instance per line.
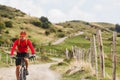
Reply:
x=89 y=28
x=12 y=21
x=41 y=30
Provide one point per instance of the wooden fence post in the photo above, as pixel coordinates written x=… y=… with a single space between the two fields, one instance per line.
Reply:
x=67 y=54
x=90 y=56
x=73 y=52
x=0 y=56
x=11 y=61
x=92 y=53
x=77 y=53
x=114 y=56
x=101 y=53
x=6 y=58
x=95 y=52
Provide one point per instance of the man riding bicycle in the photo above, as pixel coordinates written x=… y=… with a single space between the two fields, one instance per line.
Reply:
x=21 y=47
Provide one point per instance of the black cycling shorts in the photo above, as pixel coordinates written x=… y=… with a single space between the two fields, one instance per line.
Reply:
x=18 y=61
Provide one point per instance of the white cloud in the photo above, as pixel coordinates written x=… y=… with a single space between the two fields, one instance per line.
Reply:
x=77 y=13
x=98 y=7
x=61 y=10
x=56 y=15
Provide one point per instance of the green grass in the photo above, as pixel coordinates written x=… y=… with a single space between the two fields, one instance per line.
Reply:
x=83 y=43
x=78 y=41
x=3 y=60
x=79 y=76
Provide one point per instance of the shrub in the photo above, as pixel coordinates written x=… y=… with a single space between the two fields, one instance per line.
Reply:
x=117 y=27
x=118 y=35
x=60 y=30
x=61 y=35
x=9 y=24
x=7 y=32
x=45 y=22
x=2 y=26
x=47 y=33
x=52 y=29
x=29 y=36
x=45 y=25
x=37 y=23
x=44 y=19
x=21 y=28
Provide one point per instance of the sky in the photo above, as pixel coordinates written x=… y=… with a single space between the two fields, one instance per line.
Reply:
x=65 y=10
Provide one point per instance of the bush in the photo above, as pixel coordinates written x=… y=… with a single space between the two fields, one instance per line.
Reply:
x=7 y=32
x=60 y=30
x=61 y=35
x=21 y=28
x=9 y=24
x=118 y=35
x=37 y=23
x=45 y=25
x=52 y=29
x=47 y=33
x=45 y=22
x=44 y=19
x=2 y=26
x=117 y=27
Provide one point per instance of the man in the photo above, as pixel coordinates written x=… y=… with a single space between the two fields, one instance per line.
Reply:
x=21 y=46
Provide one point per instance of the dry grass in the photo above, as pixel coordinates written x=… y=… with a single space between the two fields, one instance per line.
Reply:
x=83 y=65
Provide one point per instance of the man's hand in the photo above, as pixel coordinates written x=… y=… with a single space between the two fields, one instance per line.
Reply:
x=33 y=56
x=12 y=56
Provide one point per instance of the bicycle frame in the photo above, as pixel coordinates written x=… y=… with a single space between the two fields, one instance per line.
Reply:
x=22 y=72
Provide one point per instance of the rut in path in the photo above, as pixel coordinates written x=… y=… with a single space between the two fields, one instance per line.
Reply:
x=36 y=72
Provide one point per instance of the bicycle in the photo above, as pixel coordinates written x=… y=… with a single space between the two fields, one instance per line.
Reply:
x=22 y=72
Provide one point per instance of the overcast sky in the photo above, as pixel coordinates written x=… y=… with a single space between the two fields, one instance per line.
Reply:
x=65 y=10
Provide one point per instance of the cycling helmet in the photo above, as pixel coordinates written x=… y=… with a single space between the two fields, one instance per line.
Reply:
x=23 y=33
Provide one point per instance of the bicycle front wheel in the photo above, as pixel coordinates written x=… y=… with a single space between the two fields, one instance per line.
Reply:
x=22 y=75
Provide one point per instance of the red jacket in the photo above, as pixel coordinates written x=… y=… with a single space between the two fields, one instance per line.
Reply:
x=22 y=46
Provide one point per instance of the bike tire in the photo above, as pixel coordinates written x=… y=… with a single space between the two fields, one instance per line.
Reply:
x=24 y=73
x=21 y=75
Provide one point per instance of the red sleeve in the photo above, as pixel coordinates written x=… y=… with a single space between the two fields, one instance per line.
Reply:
x=13 y=47
x=31 y=47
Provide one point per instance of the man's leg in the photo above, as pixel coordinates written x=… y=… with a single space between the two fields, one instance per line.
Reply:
x=17 y=71
x=26 y=63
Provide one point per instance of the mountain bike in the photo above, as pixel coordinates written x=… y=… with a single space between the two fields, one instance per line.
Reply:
x=22 y=72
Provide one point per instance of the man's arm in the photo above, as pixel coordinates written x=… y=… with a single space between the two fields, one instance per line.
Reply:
x=31 y=47
x=13 y=48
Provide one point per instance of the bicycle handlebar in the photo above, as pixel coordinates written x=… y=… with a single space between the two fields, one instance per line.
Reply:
x=23 y=57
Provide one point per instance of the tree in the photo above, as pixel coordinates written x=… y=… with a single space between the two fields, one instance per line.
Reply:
x=44 y=19
x=45 y=22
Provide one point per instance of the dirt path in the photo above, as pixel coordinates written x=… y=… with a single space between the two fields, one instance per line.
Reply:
x=63 y=39
x=36 y=72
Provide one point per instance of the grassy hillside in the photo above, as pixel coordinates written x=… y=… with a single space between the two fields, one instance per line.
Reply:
x=15 y=20
x=12 y=21
x=8 y=12
x=87 y=27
